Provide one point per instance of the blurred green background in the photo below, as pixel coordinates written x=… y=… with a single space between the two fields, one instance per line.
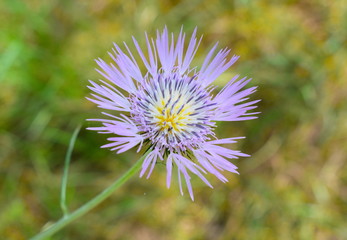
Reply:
x=293 y=187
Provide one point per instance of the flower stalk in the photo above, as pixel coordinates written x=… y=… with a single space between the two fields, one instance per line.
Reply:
x=87 y=207
x=66 y=171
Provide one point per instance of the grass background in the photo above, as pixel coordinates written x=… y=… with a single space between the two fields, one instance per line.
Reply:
x=293 y=187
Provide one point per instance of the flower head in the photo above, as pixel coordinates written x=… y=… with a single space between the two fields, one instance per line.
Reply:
x=171 y=108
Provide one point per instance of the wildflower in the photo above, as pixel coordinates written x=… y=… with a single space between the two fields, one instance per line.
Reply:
x=171 y=109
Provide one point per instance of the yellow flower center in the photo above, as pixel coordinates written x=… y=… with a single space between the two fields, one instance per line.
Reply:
x=172 y=116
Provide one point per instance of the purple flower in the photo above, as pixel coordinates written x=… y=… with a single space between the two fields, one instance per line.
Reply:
x=170 y=108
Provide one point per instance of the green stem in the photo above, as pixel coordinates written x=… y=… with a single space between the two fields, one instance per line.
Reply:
x=66 y=171
x=91 y=204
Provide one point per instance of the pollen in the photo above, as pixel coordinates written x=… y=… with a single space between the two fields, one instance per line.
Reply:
x=172 y=120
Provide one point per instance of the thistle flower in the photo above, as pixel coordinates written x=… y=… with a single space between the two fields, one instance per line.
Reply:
x=170 y=108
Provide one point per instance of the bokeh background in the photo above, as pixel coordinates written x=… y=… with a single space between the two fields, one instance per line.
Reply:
x=293 y=187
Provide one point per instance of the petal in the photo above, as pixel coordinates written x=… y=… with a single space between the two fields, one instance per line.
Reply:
x=203 y=159
x=108 y=97
x=214 y=158
x=216 y=67
x=228 y=102
x=190 y=53
x=186 y=176
x=151 y=66
x=128 y=67
x=146 y=162
x=115 y=76
x=168 y=170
